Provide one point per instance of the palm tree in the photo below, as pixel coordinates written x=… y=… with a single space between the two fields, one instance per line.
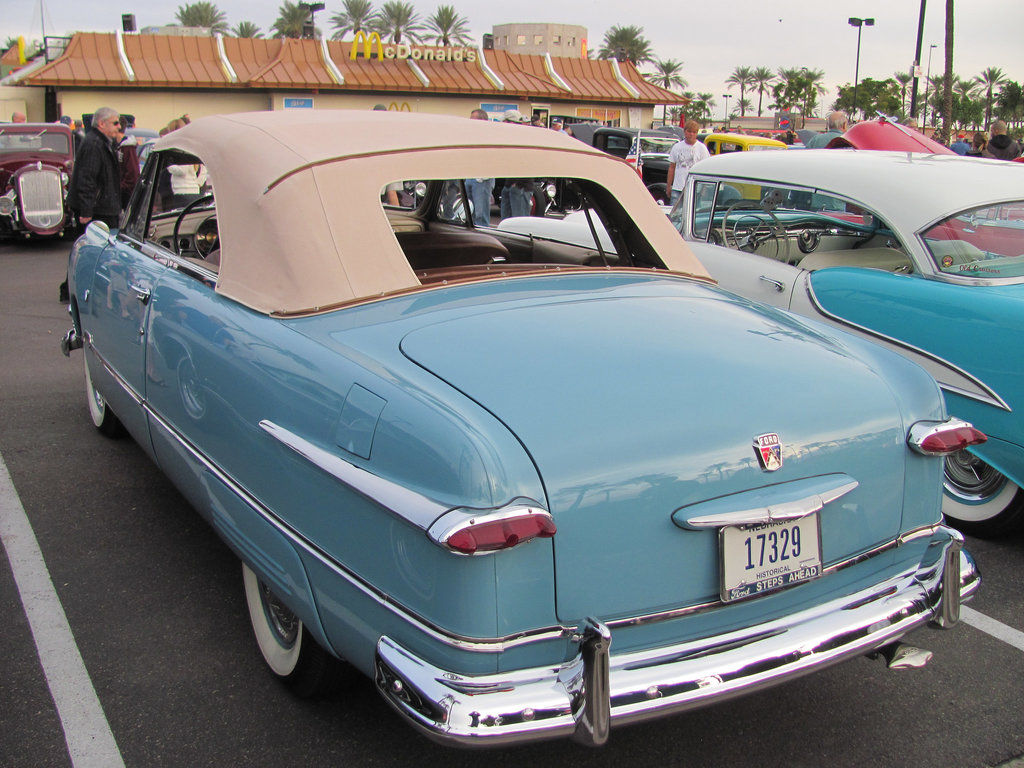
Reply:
x=947 y=90
x=290 y=20
x=705 y=104
x=813 y=88
x=903 y=78
x=626 y=44
x=246 y=29
x=396 y=20
x=447 y=27
x=668 y=77
x=741 y=76
x=761 y=77
x=202 y=14
x=990 y=78
x=355 y=17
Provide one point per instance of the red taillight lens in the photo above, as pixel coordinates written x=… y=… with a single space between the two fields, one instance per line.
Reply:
x=943 y=438
x=493 y=535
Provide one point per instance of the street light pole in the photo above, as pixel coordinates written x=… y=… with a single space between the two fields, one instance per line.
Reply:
x=859 y=24
x=928 y=82
x=727 y=96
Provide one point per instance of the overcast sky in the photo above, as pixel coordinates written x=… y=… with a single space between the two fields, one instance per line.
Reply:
x=710 y=43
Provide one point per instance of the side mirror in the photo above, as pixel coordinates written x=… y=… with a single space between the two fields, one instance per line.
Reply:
x=97 y=233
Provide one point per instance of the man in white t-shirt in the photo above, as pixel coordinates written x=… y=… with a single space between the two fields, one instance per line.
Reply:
x=682 y=157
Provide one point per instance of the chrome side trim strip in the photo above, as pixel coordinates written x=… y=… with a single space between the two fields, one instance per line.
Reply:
x=990 y=397
x=462 y=642
x=414 y=507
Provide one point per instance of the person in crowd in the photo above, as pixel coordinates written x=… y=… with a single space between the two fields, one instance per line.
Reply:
x=517 y=193
x=18 y=117
x=557 y=124
x=682 y=157
x=186 y=183
x=128 y=157
x=978 y=145
x=835 y=126
x=94 y=192
x=1000 y=145
x=960 y=146
x=480 y=189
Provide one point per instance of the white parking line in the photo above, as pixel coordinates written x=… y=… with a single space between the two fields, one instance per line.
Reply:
x=992 y=627
x=86 y=731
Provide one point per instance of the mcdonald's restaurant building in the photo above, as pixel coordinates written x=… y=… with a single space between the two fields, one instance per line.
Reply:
x=159 y=77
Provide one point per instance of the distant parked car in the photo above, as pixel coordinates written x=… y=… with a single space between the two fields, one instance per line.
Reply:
x=886 y=134
x=654 y=148
x=531 y=490
x=35 y=167
x=727 y=143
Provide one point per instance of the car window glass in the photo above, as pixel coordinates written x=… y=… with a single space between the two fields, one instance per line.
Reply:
x=703 y=204
x=806 y=227
x=40 y=140
x=533 y=224
x=983 y=243
x=181 y=212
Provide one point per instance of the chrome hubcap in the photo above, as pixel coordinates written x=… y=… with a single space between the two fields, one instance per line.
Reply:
x=970 y=479
x=282 y=621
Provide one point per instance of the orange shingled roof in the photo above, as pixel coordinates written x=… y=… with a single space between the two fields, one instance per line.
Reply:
x=169 y=60
x=91 y=59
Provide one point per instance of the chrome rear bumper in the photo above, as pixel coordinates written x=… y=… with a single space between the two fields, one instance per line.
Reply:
x=580 y=698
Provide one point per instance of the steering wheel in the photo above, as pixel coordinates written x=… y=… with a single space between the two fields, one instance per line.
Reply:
x=761 y=231
x=177 y=227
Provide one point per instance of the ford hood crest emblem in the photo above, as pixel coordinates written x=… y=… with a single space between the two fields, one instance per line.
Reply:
x=769 y=451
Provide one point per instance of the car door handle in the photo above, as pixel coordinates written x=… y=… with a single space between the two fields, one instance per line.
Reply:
x=771 y=281
x=142 y=294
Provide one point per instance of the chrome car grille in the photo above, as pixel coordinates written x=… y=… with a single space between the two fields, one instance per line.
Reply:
x=42 y=198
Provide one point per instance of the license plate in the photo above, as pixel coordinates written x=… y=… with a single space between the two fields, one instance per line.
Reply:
x=762 y=558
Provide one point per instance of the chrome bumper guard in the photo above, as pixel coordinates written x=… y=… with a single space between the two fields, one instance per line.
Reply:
x=70 y=341
x=580 y=698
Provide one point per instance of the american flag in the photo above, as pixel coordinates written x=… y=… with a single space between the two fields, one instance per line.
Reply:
x=633 y=156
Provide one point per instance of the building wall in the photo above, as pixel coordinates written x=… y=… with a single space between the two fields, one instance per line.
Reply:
x=22 y=99
x=154 y=109
x=556 y=39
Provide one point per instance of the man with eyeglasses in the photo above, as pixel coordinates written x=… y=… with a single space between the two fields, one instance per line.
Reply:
x=95 y=189
x=94 y=193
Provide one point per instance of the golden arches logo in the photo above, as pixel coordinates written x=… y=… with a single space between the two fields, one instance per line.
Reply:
x=368 y=42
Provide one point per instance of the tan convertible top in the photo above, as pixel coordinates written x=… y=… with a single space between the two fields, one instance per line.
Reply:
x=298 y=194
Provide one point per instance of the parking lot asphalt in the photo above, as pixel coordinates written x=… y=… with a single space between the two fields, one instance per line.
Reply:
x=168 y=674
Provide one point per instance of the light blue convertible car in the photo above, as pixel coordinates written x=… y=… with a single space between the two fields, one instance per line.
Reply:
x=531 y=490
x=923 y=253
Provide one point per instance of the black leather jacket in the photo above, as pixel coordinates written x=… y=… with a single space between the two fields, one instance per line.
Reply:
x=95 y=188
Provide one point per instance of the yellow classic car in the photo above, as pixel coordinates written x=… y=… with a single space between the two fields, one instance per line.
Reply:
x=723 y=143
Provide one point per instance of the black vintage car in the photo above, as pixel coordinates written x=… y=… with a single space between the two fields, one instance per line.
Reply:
x=35 y=167
x=654 y=148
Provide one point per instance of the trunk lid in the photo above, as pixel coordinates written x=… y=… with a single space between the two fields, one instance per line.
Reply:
x=638 y=402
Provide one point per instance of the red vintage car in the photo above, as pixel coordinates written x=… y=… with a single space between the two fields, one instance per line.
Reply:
x=885 y=134
x=35 y=167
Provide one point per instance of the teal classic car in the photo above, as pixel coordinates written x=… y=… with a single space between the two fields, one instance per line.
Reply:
x=922 y=252
x=531 y=490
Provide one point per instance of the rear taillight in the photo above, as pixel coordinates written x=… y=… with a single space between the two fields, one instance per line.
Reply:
x=480 y=532
x=941 y=438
